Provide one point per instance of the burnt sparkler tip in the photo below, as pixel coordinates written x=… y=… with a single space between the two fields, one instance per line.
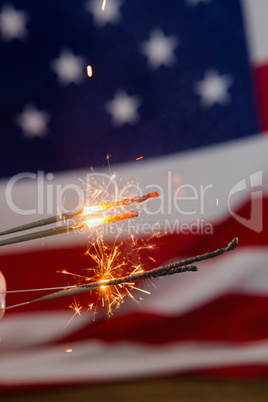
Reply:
x=233 y=243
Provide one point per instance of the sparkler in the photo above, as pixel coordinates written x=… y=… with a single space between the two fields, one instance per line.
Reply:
x=186 y=265
x=89 y=223
x=85 y=215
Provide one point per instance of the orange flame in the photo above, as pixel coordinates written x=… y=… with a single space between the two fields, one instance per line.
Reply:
x=124 y=202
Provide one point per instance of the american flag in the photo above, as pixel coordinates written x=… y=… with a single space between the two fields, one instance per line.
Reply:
x=183 y=84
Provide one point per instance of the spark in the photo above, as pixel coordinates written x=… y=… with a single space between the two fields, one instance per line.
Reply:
x=68 y=350
x=108 y=192
x=93 y=208
x=103 y=5
x=60 y=216
x=142 y=290
x=108 y=263
x=89 y=71
x=93 y=222
x=76 y=307
x=101 y=281
x=137 y=159
x=111 y=261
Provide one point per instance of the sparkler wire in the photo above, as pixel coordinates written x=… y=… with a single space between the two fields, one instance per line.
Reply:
x=43 y=222
x=37 y=289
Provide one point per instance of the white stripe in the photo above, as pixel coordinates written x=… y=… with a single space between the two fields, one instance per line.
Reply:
x=255 y=15
x=97 y=361
x=220 y=166
x=23 y=330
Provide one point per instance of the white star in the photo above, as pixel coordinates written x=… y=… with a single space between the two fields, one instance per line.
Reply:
x=213 y=89
x=110 y=14
x=195 y=2
x=69 y=67
x=159 y=49
x=33 y=122
x=123 y=108
x=12 y=23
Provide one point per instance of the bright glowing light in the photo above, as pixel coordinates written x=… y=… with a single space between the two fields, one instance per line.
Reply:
x=89 y=71
x=76 y=307
x=137 y=159
x=104 y=280
x=103 y=5
x=112 y=261
x=93 y=208
x=123 y=201
x=69 y=350
x=93 y=222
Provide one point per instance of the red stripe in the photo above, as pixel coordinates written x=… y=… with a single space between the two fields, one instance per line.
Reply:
x=39 y=268
x=232 y=318
x=261 y=88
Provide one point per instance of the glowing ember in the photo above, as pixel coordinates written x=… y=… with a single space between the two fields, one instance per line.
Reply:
x=137 y=159
x=68 y=350
x=89 y=71
x=92 y=209
x=103 y=5
x=102 y=281
x=97 y=221
x=123 y=202
x=76 y=307
x=93 y=222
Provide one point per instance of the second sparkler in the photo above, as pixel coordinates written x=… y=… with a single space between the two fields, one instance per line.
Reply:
x=86 y=217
